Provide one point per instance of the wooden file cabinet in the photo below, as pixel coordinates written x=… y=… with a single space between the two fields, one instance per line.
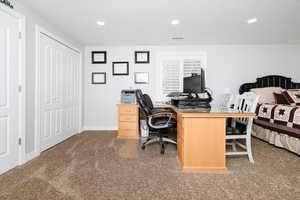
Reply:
x=128 y=121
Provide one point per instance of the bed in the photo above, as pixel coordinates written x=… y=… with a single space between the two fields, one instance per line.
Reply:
x=276 y=124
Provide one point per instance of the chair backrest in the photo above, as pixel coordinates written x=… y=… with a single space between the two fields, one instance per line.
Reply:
x=224 y=100
x=148 y=101
x=142 y=103
x=246 y=103
x=138 y=93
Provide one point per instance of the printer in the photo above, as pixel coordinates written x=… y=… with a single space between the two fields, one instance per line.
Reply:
x=128 y=97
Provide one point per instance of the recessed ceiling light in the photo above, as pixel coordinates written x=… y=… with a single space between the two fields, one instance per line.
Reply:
x=251 y=21
x=175 y=22
x=100 y=23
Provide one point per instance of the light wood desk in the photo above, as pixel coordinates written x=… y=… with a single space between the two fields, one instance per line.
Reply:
x=200 y=136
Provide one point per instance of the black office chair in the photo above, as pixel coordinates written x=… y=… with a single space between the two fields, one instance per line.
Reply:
x=149 y=103
x=159 y=121
x=139 y=94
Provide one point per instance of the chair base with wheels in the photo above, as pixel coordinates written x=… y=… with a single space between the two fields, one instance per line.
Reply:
x=159 y=138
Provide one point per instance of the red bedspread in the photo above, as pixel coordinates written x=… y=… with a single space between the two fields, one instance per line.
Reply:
x=280 y=118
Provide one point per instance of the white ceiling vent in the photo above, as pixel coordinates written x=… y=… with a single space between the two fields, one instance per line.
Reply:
x=178 y=38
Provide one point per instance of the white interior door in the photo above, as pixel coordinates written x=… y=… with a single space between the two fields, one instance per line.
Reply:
x=9 y=94
x=59 y=91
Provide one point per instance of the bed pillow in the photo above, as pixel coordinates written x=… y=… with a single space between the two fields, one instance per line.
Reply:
x=280 y=99
x=292 y=97
x=266 y=94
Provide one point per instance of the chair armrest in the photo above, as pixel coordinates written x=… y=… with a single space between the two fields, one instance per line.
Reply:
x=160 y=114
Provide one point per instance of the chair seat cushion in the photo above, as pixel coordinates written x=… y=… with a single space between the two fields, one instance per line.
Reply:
x=160 y=121
x=159 y=110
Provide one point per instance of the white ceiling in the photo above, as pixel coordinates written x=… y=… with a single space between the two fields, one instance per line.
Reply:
x=147 y=22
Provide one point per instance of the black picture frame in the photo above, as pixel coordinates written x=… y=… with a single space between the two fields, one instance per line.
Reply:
x=120 y=64
x=95 y=61
x=7 y=3
x=98 y=73
x=144 y=53
x=136 y=78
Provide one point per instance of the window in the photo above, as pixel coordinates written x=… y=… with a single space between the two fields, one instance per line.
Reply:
x=171 y=76
x=191 y=66
x=174 y=67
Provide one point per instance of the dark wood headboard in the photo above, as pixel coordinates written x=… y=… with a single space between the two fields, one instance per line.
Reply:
x=270 y=81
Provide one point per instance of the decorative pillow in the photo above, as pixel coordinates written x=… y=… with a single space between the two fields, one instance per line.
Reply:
x=292 y=97
x=280 y=99
x=266 y=94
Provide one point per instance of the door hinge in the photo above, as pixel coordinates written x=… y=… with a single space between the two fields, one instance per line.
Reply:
x=20 y=88
x=20 y=141
x=20 y=35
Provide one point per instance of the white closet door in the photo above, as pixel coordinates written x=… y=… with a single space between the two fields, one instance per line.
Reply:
x=59 y=92
x=9 y=97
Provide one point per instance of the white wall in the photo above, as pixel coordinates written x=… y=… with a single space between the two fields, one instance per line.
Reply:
x=32 y=18
x=228 y=66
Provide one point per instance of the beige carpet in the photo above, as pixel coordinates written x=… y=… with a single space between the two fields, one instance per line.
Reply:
x=96 y=165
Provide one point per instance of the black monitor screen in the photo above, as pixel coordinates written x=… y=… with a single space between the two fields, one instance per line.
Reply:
x=194 y=84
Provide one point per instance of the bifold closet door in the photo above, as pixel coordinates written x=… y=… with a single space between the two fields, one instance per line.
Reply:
x=59 y=92
x=9 y=94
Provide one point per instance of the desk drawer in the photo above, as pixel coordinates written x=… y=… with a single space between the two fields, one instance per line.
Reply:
x=128 y=110
x=128 y=118
x=128 y=125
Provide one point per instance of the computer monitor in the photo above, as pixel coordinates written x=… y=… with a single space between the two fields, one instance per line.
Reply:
x=195 y=83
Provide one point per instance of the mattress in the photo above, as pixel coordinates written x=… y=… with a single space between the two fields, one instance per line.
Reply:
x=279 y=125
x=284 y=119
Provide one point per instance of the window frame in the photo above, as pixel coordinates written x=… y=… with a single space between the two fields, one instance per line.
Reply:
x=201 y=55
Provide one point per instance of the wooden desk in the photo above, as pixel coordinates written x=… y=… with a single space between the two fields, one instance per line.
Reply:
x=200 y=136
x=201 y=139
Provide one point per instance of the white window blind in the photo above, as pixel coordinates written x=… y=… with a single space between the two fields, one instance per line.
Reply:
x=171 y=76
x=191 y=66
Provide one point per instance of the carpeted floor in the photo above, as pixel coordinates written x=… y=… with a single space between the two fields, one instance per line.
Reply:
x=96 y=165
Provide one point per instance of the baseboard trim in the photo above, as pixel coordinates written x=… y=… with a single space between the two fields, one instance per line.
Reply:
x=31 y=156
x=100 y=128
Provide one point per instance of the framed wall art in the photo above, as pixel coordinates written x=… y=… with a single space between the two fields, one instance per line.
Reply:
x=99 y=78
x=99 y=57
x=141 y=78
x=142 y=57
x=120 y=68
